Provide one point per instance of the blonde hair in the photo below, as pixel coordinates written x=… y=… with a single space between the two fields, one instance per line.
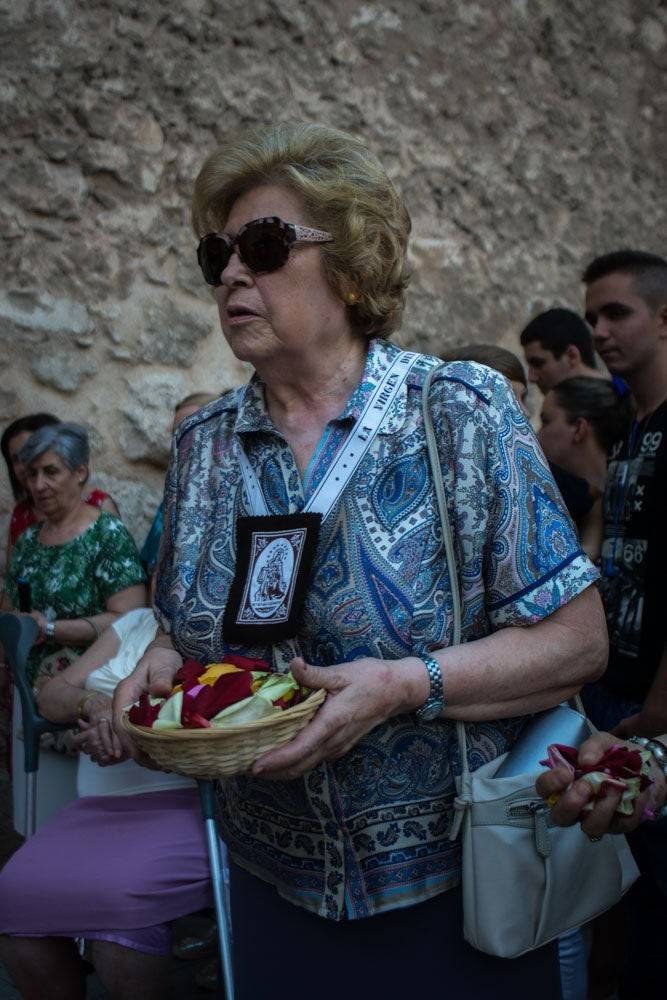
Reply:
x=344 y=190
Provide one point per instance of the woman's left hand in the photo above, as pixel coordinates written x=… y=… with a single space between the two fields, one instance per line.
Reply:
x=99 y=741
x=361 y=695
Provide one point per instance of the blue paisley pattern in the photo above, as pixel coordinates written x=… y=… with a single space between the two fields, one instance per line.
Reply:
x=368 y=832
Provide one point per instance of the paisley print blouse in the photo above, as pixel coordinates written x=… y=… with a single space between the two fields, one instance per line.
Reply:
x=368 y=832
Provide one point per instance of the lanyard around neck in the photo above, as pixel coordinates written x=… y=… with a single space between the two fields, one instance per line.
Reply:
x=327 y=493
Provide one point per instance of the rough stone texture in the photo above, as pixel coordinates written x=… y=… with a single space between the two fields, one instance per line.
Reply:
x=146 y=430
x=526 y=136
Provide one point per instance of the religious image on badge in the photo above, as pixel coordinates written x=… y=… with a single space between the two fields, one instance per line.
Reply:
x=274 y=561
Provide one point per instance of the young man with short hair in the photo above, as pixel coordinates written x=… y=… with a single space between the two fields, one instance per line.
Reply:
x=626 y=307
x=557 y=344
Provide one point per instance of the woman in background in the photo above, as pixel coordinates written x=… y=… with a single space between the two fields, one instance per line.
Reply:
x=498 y=358
x=582 y=418
x=81 y=563
x=115 y=865
x=24 y=513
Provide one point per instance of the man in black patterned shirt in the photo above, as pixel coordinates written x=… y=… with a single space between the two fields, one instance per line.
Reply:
x=626 y=306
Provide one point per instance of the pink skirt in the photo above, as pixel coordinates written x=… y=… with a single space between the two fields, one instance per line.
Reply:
x=106 y=866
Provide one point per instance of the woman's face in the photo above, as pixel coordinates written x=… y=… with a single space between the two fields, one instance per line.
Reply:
x=556 y=435
x=15 y=445
x=54 y=488
x=283 y=315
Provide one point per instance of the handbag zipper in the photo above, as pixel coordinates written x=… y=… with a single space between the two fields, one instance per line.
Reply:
x=539 y=811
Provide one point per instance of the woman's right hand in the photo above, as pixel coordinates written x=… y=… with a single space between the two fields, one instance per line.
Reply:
x=154 y=674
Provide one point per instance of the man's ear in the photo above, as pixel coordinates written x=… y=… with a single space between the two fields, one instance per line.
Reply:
x=661 y=317
x=573 y=356
x=582 y=429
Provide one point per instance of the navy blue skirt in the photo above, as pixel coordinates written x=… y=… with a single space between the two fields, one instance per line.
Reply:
x=282 y=952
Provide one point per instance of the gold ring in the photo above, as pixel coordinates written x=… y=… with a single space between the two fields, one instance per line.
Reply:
x=594 y=840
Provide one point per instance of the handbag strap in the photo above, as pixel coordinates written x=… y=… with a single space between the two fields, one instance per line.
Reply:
x=447 y=537
x=448 y=543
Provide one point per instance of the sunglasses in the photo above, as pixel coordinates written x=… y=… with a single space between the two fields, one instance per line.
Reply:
x=263 y=246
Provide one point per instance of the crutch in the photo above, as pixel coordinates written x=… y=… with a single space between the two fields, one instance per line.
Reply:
x=17 y=635
x=217 y=854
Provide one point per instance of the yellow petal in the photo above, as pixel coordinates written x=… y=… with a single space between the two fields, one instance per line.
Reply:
x=215 y=670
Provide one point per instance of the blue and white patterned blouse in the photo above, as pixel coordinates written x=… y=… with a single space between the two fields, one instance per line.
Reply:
x=368 y=832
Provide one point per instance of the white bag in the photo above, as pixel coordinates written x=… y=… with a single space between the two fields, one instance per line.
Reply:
x=525 y=881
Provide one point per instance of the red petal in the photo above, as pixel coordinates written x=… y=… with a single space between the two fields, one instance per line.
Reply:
x=246 y=662
x=144 y=714
x=228 y=689
x=188 y=674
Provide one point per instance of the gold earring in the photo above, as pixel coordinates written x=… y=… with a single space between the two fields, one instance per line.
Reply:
x=351 y=298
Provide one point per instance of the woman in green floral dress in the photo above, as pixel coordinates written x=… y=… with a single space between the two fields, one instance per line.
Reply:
x=81 y=563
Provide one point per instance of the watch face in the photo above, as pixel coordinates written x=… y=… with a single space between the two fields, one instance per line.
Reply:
x=430 y=711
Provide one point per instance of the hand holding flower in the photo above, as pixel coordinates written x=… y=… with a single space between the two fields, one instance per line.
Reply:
x=153 y=675
x=577 y=801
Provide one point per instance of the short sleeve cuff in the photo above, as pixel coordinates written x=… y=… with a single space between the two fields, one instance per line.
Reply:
x=545 y=595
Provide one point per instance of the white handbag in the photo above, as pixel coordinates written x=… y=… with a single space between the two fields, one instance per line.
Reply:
x=525 y=881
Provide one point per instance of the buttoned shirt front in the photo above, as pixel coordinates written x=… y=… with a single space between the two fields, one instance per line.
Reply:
x=368 y=832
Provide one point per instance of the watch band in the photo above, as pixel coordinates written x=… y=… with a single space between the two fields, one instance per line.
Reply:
x=50 y=630
x=435 y=702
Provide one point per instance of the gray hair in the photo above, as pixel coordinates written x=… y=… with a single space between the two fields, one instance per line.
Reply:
x=68 y=441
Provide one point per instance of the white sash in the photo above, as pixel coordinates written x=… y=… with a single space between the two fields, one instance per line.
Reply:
x=327 y=494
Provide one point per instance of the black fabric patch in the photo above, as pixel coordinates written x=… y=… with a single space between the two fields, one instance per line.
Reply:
x=274 y=560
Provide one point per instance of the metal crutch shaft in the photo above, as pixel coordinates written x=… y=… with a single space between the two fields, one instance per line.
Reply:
x=207 y=799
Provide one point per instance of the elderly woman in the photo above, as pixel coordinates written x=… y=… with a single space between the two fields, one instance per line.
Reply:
x=303 y=238
x=81 y=564
x=14 y=436
x=114 y=865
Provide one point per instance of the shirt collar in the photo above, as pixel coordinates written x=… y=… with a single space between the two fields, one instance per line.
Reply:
x=253 y=416
x=380 y=356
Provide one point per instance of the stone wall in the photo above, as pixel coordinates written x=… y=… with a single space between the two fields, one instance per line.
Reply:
x=526 y=135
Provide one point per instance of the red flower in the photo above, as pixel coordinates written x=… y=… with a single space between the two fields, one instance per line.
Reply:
x=228 y=689
x=295 y=699
x=188 y=674
x=144 y=714
x=616 y=767
x=246 y=662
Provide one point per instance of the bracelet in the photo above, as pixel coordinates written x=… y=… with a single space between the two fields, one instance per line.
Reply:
x=658 y=751
x=94 y=627
x=83 y=701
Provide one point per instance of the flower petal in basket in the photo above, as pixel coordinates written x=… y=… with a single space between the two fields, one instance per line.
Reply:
x=247 y=710
x=169 y=716
x=223 y=752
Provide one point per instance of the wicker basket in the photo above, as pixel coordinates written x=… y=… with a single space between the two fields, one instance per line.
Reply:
x=222 y=753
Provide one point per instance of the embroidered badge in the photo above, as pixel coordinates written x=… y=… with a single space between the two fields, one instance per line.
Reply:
x=274 y=557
